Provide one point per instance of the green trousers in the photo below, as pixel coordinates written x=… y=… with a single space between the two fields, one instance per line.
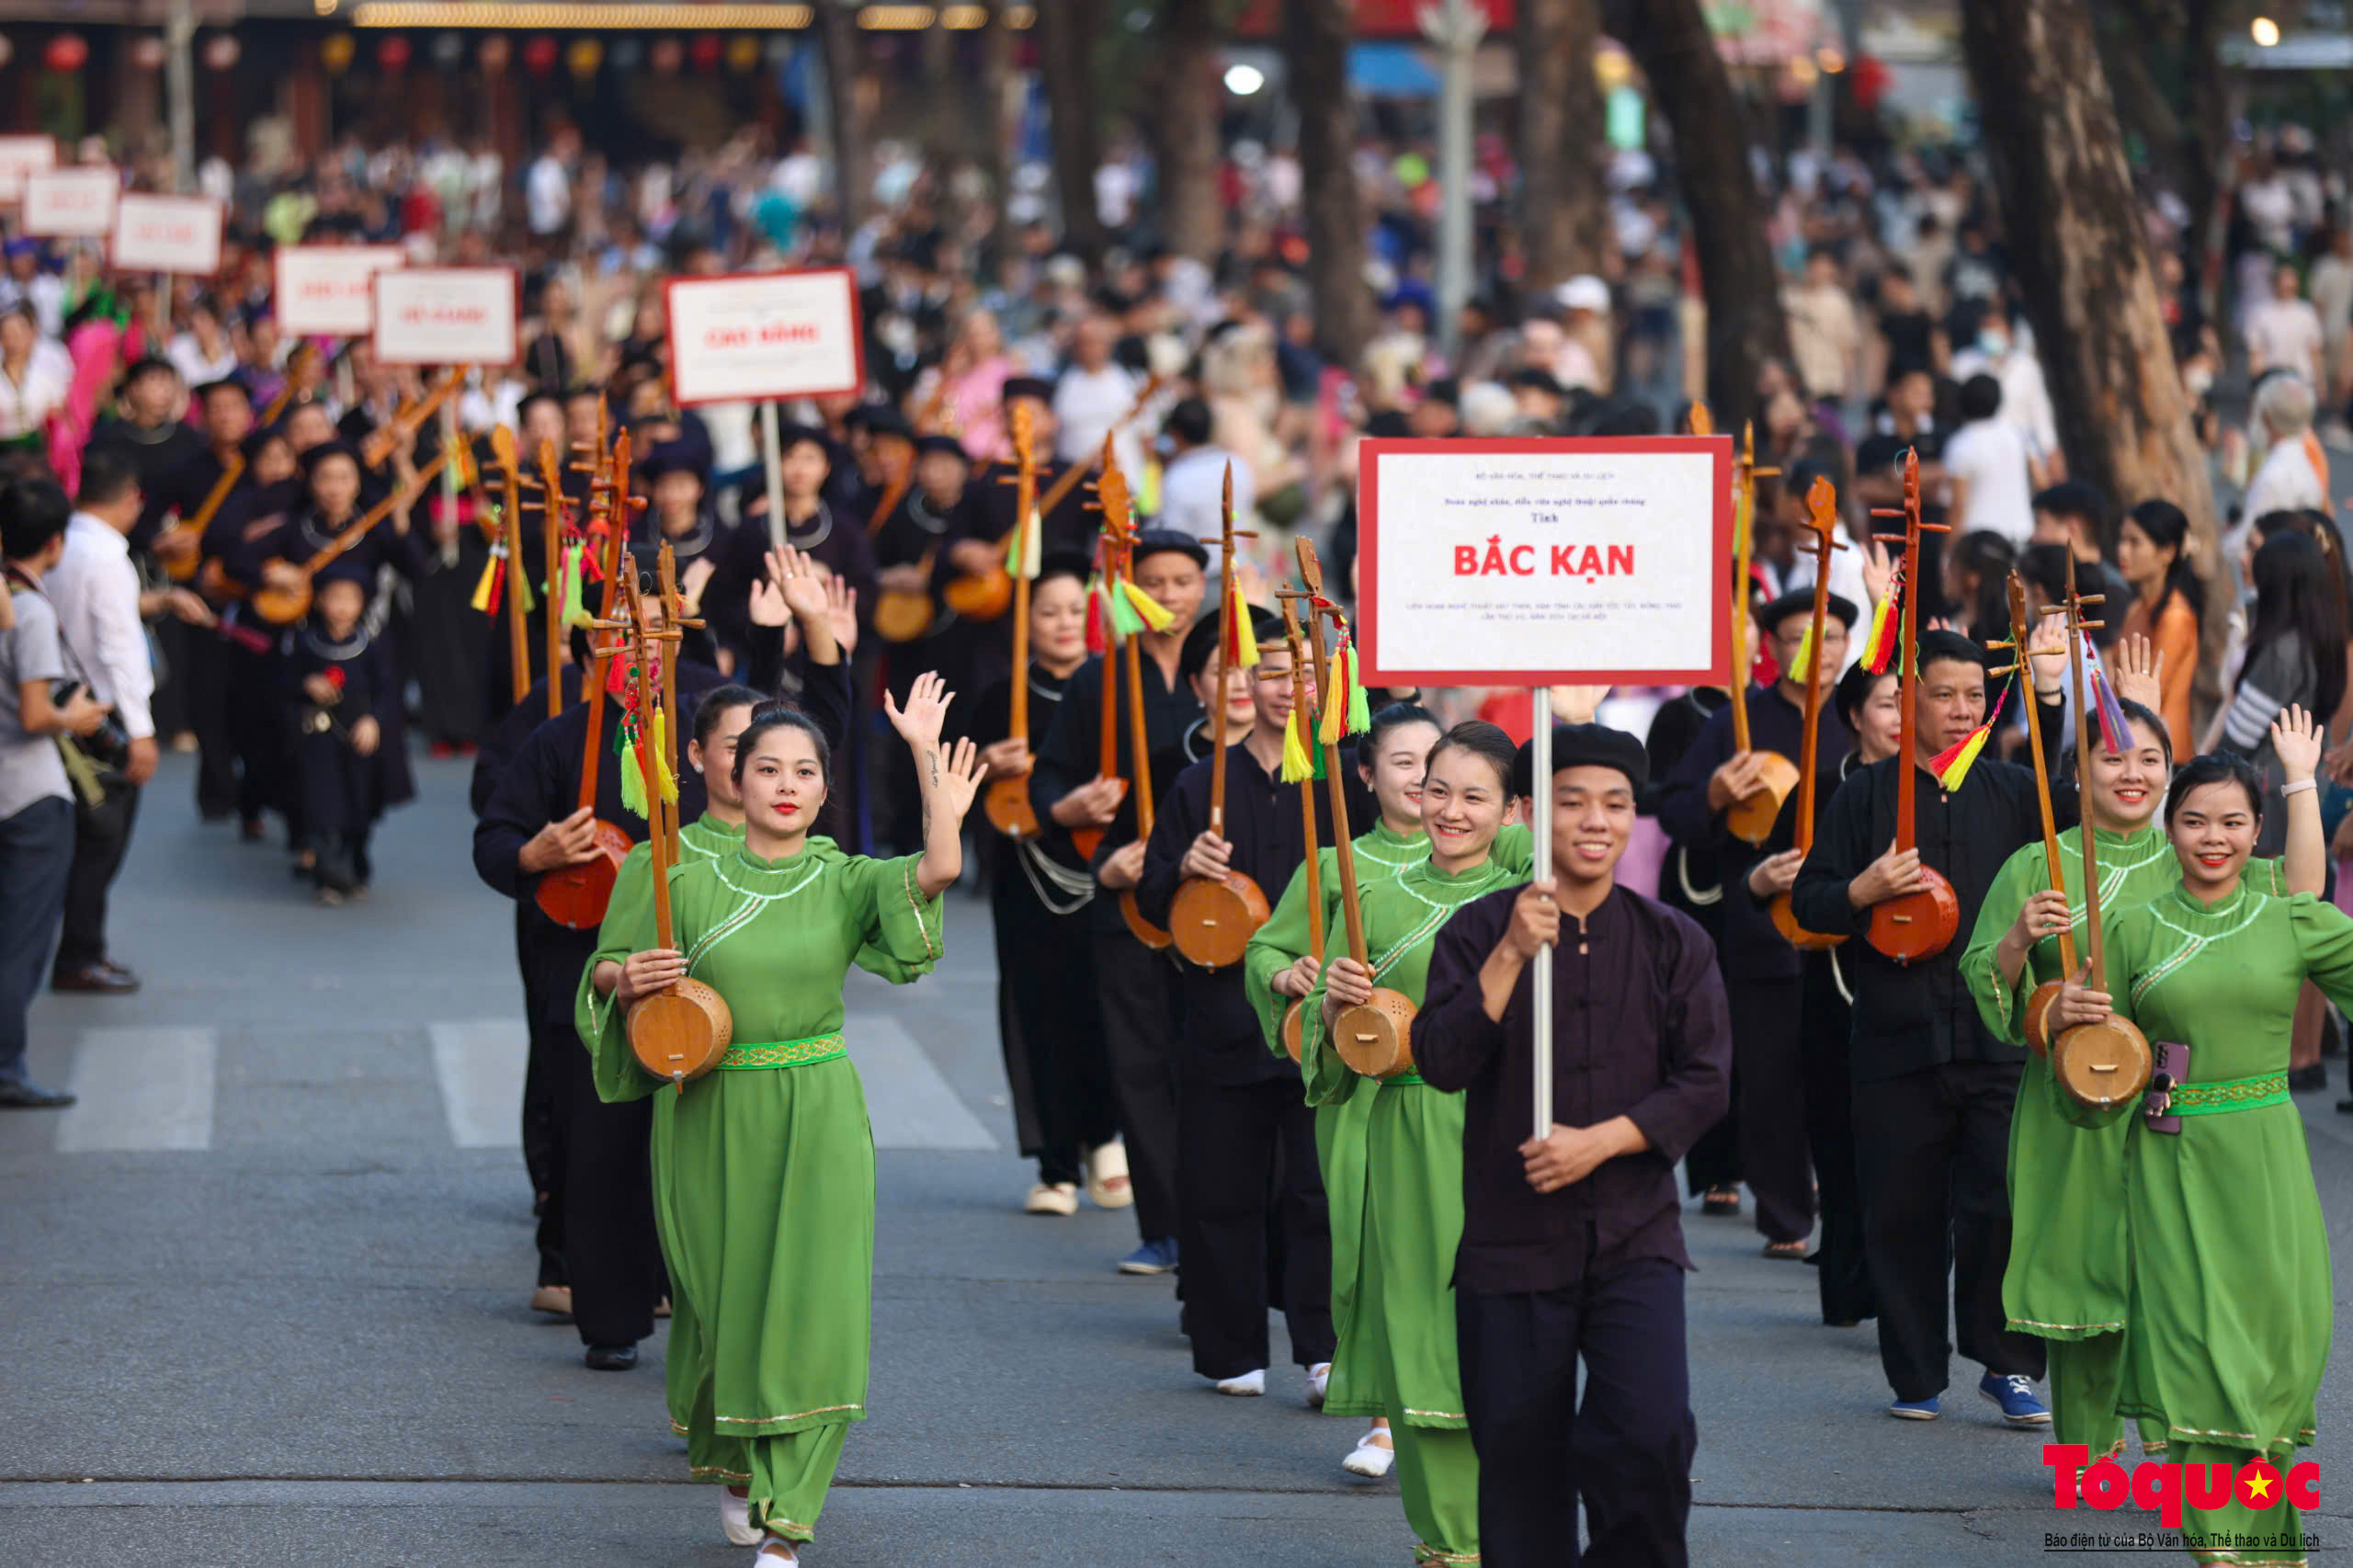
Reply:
x=2085 y=1376
x=2234 y=1533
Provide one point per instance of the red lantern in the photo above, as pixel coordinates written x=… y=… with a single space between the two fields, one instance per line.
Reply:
x=706 y=51
x=66 y=51
x=494 y=52
x=665 y=55
x=393 y=54
x=539 y=55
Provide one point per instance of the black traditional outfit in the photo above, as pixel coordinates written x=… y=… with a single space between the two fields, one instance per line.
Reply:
x=1593 y=1271
x=1934 y=1088
x=341 y=793
x=1054 y=1060
x=1691 y=881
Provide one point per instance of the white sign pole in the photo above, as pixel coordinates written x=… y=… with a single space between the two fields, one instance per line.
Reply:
x=1540 y=978
x=774 y=459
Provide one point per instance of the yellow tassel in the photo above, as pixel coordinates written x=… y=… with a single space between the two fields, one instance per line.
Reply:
x=1245 y=638
x=1336 y=713
x=1953 y=766
x=1297 y=764
x=489 y=577
x=1804 y=663
x=1144 y=605
x=663 y=773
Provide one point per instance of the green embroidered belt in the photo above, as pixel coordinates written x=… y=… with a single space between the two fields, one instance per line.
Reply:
x=2230 y=1093
x=743 y=1057
x=1402 y=1080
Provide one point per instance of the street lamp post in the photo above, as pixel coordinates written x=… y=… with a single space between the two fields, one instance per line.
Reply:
x=1454 y=28
x=180 y=69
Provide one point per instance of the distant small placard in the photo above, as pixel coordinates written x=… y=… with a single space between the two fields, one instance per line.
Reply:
x=22 y=157
x=178 y=234
x=764 y=335
x=75 y=203
x=329 y=291
x=448 y=315
x=1537 y=562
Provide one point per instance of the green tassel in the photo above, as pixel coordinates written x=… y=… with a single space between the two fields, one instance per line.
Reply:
x=633 y=788
x=1124 y=618
x=575 y=609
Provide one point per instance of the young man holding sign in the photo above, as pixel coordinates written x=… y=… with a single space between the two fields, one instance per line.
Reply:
x=1572 y=1245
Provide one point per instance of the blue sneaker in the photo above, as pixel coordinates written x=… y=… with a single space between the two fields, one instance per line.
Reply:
x=1157 y=1256
x=1914 y=1409
x=2016 y=1396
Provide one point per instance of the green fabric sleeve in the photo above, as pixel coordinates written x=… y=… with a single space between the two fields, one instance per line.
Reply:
x=902 y=931
x=1514 y=850
x=1274 y=947
x=602 y=1025
x=1330 y=1081
x=2000 y=1004
x=2324 y=941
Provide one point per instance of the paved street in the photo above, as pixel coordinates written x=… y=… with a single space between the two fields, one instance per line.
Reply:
x=264 y=1298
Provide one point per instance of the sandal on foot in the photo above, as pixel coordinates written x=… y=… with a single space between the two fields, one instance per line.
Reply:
x=1371 y=1456
x=1722 y=1201
x=1794 y=1252
x=736 y=1519
x=1051 y=1198
x=1107 y=1185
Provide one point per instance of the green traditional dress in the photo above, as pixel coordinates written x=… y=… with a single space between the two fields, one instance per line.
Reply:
x=1381 y=855
x=2227 y=1320
x=2067 y=1275
x=1403 y=1328
x=629 y=925
x=764 y=1170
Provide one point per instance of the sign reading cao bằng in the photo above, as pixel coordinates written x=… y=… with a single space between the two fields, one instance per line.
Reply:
x=764 y=334
x=1545 y=562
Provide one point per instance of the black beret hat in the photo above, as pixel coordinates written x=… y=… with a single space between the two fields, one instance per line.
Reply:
x=1201 y=643
x=1799 y=601
x=947 y=446
x=1584 y=746
x=1028 y=386
x=1163 y=541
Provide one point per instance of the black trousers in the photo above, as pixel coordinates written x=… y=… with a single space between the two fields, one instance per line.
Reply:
x=1626 y=1451
x=1827 y=1031
x=1135 y=990
x=1768 y=1077
x=257 y=729
x=206 y=672
x=542 y=1149
x=1049 y=1025
x=1932 y=1149
x=101 y=838
x=1254 y=1229
x=612 y=1256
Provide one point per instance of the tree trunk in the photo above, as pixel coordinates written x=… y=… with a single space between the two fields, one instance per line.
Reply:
x=2075 y=243
x=1066 y=40
x=1560 y=115
x=1315 y=44
x=986 y=104
x=1670 y=40
x=838 y=37
x=1183 y=124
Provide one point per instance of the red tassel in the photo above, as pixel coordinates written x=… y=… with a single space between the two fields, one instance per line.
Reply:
x=497 y=587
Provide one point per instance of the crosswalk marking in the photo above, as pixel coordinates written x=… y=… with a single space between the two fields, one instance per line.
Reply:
x=911 y=1106
x=140 y=1090
x=479 y=1063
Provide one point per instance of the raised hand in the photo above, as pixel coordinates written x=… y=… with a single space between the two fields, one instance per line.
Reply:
x=1879 y=571
x=920 y=721
x=800 y=579
x=2139 y=669
x=841 y=613
x=2295 y=738
x=1577 y=704
x=955 y=782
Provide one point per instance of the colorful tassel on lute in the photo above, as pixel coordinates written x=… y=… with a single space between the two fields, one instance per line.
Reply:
x=493 y=573
x=1098 y=617
x=2115 y=730
x=1298 y=766
x=1880 y=646
x=1951 y=765
x=1803 y=662
x=1241 y=639
x=1146 y=607
x=662 y=773
x=570 y=568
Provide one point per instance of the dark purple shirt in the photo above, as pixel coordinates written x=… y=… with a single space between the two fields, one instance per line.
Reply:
x=1639 y=1029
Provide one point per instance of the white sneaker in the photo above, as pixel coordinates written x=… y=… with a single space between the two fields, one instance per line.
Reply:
x=1249 y=1384
x=1370 y=1458
x=1052 y=1198
x=736 y=1518
x=775 y=1552
x=1319 y=1379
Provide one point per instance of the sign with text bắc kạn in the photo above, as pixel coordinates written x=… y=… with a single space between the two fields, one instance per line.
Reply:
x=21 y=157
x=1545 y=562
x=329 y=291
x=448 y=315
x=75 y=203
x=764 y=335
x=177 y=234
